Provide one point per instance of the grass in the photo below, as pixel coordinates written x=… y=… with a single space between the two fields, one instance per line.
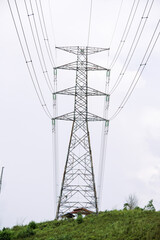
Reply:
x=110 y=225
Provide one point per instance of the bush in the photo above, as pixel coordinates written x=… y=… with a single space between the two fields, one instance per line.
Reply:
x=27 y=232
x=150 y=206
x=79 y=219
x=32 y=225
x=5 y=235
x=64 y=237
x=131 y=202
x=56 y=223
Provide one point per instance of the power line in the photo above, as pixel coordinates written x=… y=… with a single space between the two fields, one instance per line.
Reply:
x=43 y=65
x=51 y=19
x=119 y=11
x=44 y=104
x=38 y=35
x=89 y=27
x=104 y=139
x=125 y=33
x=134 y=45
x=139 y=71
x=44 y=32
x=29 y=61
x=1 y=178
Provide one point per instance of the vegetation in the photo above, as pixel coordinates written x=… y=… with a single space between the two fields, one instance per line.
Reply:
x=79 y=219
x=131 y=202
x=136 y=224
x=150 y=206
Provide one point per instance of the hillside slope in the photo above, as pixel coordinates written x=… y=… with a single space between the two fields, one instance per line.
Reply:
x=109 y=225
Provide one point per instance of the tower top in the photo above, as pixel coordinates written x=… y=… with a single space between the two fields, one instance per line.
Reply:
x=82 y=50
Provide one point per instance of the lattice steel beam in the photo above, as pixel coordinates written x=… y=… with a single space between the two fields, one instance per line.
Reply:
x=82 y=50
x=90 y=92
x=78 y=183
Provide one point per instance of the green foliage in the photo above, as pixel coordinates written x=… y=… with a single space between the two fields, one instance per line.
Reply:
x=131 y=202
x=136 y=224
x=150 y=206
x=56 y=223
x=125 y=206
x=32 y=225
x=25 y=232
x=64 y=237
x=5 y=234
x=79 y=219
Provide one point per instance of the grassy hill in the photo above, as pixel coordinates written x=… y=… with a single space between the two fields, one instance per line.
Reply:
x=111 y=225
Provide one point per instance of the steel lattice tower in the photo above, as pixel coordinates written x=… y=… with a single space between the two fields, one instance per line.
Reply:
x=78 y=184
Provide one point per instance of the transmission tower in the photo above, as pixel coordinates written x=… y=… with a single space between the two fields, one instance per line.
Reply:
x=1 y=178
x=78 y=184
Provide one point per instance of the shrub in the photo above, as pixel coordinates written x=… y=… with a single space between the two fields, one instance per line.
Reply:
x=32 y=225
x=27 y=232
x=79 y=219
x=64 y=237
x=131 y=202
x=56 y=223
x=5 y=235
x=150 y=206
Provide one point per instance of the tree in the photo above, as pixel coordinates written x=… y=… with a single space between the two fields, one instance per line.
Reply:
x=150 y=206
x=79 y=218
x=131 y=202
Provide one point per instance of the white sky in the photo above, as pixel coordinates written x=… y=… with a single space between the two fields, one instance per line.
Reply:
x=133 y=154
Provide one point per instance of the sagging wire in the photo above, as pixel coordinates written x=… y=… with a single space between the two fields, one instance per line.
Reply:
x=44 y=32
x=134 y=45
x=29 y=61
x=89 y=26
x=140 y=70
x=55 y=140
x=42 y=62
x=125 y=33
x=104 y=138
x=119 y=12
x=52 y=26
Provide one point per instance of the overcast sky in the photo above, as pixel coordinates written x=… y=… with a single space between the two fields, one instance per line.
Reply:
x=133 y=155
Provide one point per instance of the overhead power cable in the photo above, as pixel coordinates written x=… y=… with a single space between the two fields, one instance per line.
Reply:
x=44 y=32
x=38 y=47
x=126 y=32
x=139 y=72
x=1 y=178
x=51 y=20
x=89 y=27
x=119 y=11
x=55 y=139
x=134 y=44
x=29 y=61
x=53 y=29
x=44 y=23
x=104 y=138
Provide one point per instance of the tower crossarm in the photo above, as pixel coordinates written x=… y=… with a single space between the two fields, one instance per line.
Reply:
x=90 y=91
x=74 y=66
x=79 y=117
x=83 y=50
